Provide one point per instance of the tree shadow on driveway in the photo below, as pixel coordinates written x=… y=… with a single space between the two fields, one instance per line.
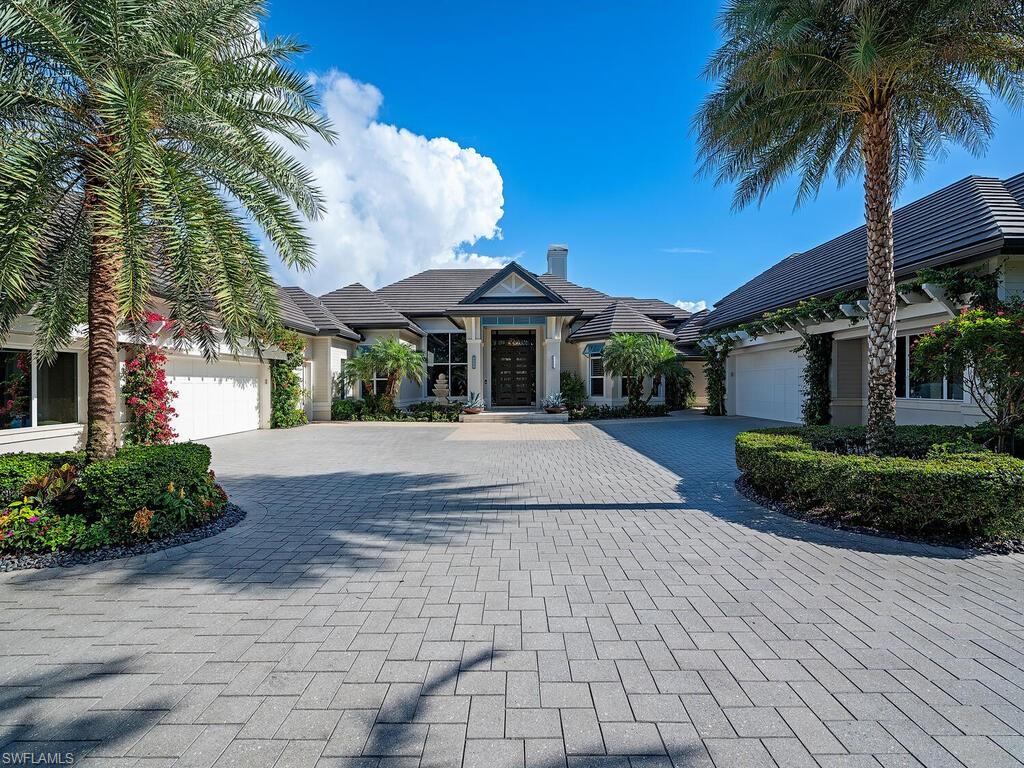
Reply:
x=708 y=475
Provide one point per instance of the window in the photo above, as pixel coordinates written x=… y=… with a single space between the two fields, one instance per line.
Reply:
x=16 y=390
x=57 y=390
x=54 y=390
x=910 y=386
x=446 y=353
x=596 y=376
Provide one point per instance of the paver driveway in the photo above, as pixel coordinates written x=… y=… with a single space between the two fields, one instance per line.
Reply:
x=439 y=595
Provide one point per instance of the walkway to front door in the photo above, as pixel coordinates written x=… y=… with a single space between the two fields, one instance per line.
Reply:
x=513 y=369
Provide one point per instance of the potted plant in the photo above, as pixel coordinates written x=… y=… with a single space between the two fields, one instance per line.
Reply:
x=554 y=403
x=474 y=404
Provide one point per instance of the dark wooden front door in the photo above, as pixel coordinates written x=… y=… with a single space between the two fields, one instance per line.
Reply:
x=513 y=369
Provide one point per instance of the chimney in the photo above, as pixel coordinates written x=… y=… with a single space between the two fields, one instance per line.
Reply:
x=558 y=261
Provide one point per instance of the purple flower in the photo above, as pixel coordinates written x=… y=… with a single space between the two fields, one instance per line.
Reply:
x=34 y=519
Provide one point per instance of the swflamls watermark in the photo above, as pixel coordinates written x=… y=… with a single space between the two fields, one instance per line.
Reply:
x=37 y=758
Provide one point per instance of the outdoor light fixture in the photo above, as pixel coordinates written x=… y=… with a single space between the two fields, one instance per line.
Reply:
x=474 y=362
x=552 y=362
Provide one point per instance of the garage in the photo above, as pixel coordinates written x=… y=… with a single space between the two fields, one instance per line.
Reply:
x=218 y=398
x=768 y=385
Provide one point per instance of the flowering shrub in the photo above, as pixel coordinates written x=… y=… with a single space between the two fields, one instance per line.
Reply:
x=148 y=397
x=986 y=347
x=285 y=383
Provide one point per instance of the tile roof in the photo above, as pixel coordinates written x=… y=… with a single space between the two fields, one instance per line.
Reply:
x=619 y=317
x=324 y=323
x=689 y=331
x=969 y=218
x=359 y=307
x=292 y=317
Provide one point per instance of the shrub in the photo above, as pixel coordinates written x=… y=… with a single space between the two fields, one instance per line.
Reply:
x=430 y=411
x=116 y=488
x=944 y=491
x=598 y=412
x=714 y=372
x=16 y=469
x=574 y=391
x=347 y=410
x=986 y=348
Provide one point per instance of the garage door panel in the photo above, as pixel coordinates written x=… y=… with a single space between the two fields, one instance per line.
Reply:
x=768 y=384
x=218 y=398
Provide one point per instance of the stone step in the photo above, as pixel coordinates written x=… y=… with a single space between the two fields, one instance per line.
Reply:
x=514 y=417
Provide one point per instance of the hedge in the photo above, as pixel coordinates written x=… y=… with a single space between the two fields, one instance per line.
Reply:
x=119 y=487
x=950 y=488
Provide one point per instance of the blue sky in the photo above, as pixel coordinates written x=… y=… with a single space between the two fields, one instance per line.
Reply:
x=584 y=109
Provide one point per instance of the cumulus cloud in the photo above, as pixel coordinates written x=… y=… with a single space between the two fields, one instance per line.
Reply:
x=692 y=306
x=397 y=202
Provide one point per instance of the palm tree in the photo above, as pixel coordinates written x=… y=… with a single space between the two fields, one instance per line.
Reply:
x=638 y=356
x=813 y=86
x=387 y=358
x=138 y=142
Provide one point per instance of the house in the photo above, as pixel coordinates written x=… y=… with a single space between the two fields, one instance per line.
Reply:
x=974 y=224
x=506 y=333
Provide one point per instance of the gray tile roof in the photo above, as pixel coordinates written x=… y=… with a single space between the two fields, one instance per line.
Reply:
x=324 y=323
x=689 y=331
x=972 y=217
x=292 y=317
x=359 y=307
x=619 y=317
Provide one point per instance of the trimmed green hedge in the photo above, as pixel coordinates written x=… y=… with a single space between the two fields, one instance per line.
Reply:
x=143 y=492
x=138 y=474
x=363 y=410
x=942 y=486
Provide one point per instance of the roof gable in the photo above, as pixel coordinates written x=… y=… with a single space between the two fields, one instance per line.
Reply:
x=324 y=323
x=512 y=285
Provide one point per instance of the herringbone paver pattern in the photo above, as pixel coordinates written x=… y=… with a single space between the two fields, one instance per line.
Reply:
x=396 y=598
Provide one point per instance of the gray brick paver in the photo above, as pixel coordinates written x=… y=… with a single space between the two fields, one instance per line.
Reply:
x=398 y=599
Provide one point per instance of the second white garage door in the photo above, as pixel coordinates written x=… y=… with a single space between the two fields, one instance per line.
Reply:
x=768 y=384
x=218 y=398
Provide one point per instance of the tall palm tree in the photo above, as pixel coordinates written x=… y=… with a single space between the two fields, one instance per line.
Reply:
x=138 y=141
x=809 y=87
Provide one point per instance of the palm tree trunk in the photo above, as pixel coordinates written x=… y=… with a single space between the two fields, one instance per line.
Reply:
x=878 y=185
x=101 y=440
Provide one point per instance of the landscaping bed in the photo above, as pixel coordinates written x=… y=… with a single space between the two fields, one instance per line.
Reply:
x=942 y=484
x=56 y=502
x=366 y=410
x=600 y=412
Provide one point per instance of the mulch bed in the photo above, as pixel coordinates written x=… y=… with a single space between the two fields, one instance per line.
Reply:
x=981 y=546
x=233 y=515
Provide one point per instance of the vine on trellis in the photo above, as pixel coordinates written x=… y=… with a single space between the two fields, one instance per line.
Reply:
x=286 y=384
x=715 y=374
x=817 y=389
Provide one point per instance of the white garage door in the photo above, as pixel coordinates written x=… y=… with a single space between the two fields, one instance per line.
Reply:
x=218 y=398
x=768 y=384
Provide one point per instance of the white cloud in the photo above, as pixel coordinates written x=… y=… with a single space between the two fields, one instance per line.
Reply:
x=692 y=306
x=684 y=250
x=397 y=202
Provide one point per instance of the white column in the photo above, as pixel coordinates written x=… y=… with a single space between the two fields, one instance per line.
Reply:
x=474 y=356
x=552 y=355
x=320 y=355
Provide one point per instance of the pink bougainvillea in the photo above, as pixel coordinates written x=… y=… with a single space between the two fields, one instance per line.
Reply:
x=148 y=397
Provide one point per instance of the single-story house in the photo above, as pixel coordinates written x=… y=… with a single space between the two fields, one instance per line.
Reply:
x=976 y=223
x=505 y=333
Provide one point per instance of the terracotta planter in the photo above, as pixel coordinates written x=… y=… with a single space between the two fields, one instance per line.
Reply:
x=472 y=411
x=559 y=409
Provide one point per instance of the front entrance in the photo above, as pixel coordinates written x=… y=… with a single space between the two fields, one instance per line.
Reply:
x=513 y=368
